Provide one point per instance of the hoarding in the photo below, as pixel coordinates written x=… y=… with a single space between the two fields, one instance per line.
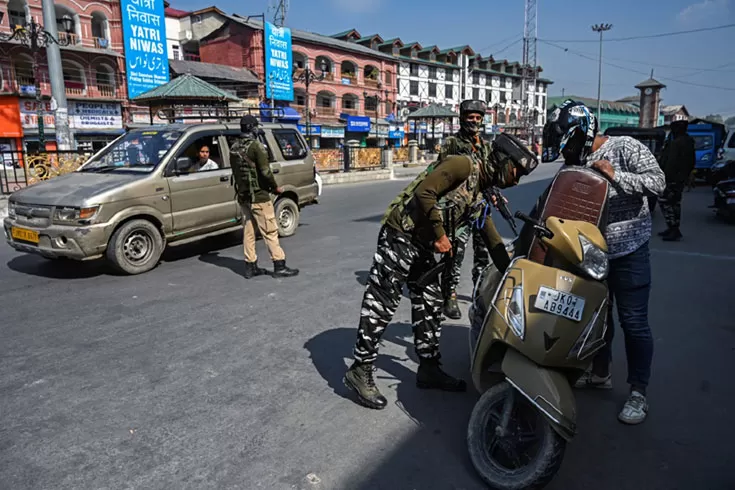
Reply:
x=144 y=35
x=278 y=63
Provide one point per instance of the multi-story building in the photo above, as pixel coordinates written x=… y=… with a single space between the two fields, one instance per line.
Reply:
x=93 y=72
x=431 y=75
x=358 y=84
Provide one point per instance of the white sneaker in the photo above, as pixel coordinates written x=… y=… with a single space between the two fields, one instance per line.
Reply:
x=635 y=409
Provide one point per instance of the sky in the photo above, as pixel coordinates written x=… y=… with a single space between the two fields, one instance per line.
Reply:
x=698 y=69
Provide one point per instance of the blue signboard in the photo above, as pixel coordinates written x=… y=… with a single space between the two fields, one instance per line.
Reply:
x=396 y=133
x=278 y=63
x=144 y=35
x=313 y=130
x=358 y=124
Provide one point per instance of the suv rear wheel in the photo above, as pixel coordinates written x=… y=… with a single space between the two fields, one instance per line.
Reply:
x=287 y=216
x=135 y=247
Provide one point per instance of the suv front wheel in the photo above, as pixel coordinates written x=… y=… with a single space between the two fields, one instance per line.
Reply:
x=287 y=216
x=135 y=247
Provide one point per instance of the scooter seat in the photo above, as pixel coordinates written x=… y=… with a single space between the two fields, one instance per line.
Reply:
x=576 y=193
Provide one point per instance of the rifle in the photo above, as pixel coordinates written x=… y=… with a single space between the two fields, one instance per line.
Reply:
x=493 y=194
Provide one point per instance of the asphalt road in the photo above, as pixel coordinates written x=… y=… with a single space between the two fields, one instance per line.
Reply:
x=190 y=376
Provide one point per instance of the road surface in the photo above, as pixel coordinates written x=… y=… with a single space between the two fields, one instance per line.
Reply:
x=191 y=377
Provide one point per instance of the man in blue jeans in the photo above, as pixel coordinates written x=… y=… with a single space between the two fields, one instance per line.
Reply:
x=634 y=175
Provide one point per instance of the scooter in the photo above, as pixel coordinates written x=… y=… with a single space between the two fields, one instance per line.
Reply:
x=534 y=331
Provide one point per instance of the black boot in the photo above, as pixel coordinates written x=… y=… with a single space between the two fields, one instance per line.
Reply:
x=665 y=233
x=280 y=269
x=430 y=376
x=359 y=378
x=252 y=270
x=451 y=308
x=674 y=236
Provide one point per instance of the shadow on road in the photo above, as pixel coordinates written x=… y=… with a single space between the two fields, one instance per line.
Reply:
x=440 y=418
x=369 y=219
x=204 y=246
x=58 y=269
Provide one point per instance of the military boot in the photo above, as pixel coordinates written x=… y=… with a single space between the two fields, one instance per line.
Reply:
x=252 y=270
x=430 y=376
x=664 y=233
x=674 y=236
x=280 y=269
x=451 y=308
x=359 y=378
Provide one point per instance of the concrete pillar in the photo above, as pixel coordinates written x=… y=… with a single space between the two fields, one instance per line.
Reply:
x=350 y=157
x=387 y=158
x=413 y=151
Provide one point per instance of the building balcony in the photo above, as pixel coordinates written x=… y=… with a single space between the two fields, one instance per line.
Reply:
x=326 y=111
x=107 y=91
x=73 y=38
x=369 y=82
x=351 y=112
x=192 y=57
x=101 y=43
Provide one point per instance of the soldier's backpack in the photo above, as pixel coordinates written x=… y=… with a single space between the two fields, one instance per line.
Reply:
x=244 y=173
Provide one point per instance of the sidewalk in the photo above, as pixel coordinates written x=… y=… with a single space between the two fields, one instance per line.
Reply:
x=399 y=172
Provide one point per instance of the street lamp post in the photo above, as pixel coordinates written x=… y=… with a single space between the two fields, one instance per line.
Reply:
x=378 y=100
x=307 y=76
x=600 y=28
x=33 y=36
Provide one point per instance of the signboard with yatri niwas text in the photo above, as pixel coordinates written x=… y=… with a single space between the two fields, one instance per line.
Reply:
x=144 y=33
x=278 y=63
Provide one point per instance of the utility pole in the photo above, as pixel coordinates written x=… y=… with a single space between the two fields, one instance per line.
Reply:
x=279 y=9
x=530 y=72
x=600 y=28
x=64 y=140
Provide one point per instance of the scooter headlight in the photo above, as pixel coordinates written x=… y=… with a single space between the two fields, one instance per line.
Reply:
x=594 y=260
x=514 y=312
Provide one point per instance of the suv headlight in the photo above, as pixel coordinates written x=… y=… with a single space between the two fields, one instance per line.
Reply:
x=594 y=260
x=11 y=209
x=71 y=214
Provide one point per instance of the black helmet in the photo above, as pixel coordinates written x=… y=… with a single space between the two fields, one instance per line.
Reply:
x=471 y=107
x=248 y=123
x=571 y=130
x=508 y=148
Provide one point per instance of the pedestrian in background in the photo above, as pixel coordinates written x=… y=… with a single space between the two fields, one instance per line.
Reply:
x=254 y=182
x=677 y=161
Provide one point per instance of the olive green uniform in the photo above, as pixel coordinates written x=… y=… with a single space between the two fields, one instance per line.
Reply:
x=677 y=161
x=411 y=225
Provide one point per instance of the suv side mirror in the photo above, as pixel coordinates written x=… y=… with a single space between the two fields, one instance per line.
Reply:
x=182 y=165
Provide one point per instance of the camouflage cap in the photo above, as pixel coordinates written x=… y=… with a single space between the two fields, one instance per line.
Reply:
x=472 y=106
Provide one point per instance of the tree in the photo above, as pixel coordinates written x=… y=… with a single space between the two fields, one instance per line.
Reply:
x=714 y=118
x=730 y=121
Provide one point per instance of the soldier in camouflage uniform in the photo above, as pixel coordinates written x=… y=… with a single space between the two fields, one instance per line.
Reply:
x=468 y=142
x=254 y=183
x=677 y=161
x=412 y=231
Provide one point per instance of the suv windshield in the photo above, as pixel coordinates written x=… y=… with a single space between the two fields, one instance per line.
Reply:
x=139 y=150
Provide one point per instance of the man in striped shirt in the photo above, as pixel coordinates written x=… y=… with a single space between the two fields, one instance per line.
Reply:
x=634 y=174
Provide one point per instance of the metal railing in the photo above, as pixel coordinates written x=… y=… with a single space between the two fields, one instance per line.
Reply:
x=348 y=159
x=19 y=169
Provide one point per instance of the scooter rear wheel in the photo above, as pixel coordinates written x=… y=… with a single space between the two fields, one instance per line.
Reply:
x=527 y=456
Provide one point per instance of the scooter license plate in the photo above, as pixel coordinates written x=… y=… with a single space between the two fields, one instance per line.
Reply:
x=560 y=303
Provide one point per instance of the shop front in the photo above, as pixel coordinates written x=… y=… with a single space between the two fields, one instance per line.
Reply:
x=357 y=128
x=314 y=134
x=332 y=137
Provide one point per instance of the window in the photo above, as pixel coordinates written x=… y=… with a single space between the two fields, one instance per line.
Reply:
x=235 y=135
x=432 y=89
x=202 y=156
x=432 y=72
x=176 y=53
x=371 y=104
x=449 y=91
x=703 y=142
x=475 y=78
x=476 y=93
x=290 y=144
x=414 y=70
x=731 y=144
x=414 y=89
x=387 y=77
x=300 y=99
x=450 y=75
x=396 y=51
x=388 y=107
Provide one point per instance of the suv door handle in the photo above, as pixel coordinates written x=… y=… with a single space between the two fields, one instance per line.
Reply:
x=224 y=178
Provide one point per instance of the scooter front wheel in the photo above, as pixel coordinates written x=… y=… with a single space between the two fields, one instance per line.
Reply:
x=525 y=454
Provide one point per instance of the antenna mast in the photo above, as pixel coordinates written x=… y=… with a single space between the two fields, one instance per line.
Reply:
x=530 y=73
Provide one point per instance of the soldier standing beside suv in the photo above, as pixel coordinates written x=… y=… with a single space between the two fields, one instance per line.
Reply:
x=677 y=162
x=254 y=182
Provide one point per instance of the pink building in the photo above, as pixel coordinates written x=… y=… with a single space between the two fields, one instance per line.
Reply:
x=93 y=69
x=358 y=81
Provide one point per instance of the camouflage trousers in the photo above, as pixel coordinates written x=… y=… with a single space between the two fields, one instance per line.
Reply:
x=671 y=204
x=481 y=256
x=398 y=261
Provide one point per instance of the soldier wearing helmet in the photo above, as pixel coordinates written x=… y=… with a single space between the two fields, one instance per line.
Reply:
x=254 y=183
x=467 y=141
x=413 y=229
x=634 y=175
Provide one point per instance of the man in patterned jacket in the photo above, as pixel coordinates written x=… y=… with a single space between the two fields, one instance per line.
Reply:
x=634 y=175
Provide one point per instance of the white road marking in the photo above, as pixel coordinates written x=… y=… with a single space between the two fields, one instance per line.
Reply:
x=695 y=254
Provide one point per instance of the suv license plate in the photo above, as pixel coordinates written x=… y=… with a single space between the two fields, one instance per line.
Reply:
x=560 y=303
x=24 y=235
